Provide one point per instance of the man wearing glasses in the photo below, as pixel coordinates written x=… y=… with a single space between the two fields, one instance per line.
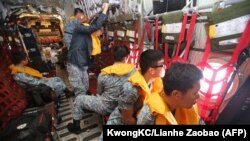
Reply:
x=177 y=103
x=134 y=92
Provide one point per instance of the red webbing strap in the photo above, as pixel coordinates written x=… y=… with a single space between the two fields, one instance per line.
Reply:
x=182 y=34
x=190 y=35
x=207 y=96
x=206 y=53
x=228 y=67
x=156 y=34
x=141 y=40
x=133 y=48
x=140 y=47
x=243 y=43
x=133 y=56
x=147 y=27
x=166 y=53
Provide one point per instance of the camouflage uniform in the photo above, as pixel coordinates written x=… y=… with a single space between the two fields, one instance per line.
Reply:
x=55 y=83
x=108 y=89
x=78 y=79
x=79 y=54
x=129 y=99
x=145 y=117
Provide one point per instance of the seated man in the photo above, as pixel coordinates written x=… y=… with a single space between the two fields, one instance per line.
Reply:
x=135 y=91
x=109 y=84
x=138 y=88
x=27 y=76
x=176 y=104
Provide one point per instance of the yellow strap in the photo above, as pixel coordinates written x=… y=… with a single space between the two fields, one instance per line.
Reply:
x=27 y=70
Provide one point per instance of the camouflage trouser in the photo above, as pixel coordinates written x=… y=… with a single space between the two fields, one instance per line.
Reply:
x=114 y=119
x=91 y=103
x=57 y=84
x=78 y=79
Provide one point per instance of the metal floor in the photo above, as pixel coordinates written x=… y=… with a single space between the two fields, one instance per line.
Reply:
x=91 y=123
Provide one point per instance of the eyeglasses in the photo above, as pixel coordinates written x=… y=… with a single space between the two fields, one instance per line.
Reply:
x=159 y=66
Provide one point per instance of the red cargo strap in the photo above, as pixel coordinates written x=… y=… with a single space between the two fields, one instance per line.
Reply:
x=206 y=53
x=147 y=27
x=243 y=43
x=166 y=54
x=205 y=104
x=136 y=51
x=156 y=34
x=133 y=47
x=189 y=37
x=182 y=34
x=140 y=47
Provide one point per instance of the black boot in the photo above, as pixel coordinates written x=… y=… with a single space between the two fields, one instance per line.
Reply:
x=74 y=127
x=68 y=93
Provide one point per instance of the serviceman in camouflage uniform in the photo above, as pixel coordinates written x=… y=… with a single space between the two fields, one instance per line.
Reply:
x=134 y=93
x=137 y=89
x=110 y=82
x=79 y=53
x=27 y=76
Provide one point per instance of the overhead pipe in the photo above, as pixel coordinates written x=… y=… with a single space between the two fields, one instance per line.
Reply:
x=186 y=9
x=87 y=4
x=92 y=6
x=83 y=8
x=86 y=8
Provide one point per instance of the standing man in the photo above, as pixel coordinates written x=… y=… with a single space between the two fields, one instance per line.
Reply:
x=70 y=26
x=79 y=53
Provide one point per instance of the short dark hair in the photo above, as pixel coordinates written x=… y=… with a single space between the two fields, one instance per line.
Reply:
x=181 y=76
x=18 y=57
x=78 y=10
x=120 y=52
x=149 y=58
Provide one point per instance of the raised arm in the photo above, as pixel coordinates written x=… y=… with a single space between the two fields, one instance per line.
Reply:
x=97 y=25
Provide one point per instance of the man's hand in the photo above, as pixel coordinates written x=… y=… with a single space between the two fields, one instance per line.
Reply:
x=105 y=7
